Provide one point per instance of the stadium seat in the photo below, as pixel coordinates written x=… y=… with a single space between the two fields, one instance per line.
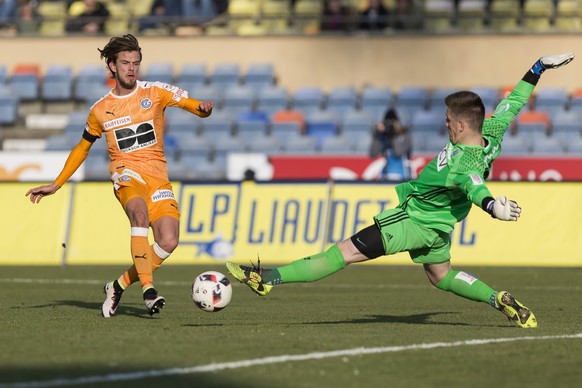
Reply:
x=504 y=15
x=428 y=121
x=574 y=146
x=191 y=75
x=119 y=18
x=336 y=145
x=568 y=17
x=437 y=14
x=242 y=13
x=363 y=145
x=307 y=15
x=225 y=145
x=97 y=166
x=567 y=125
x=225 y=75
x=308 y=99
x=411 y=99
x=180 y=122
x=321 y=126
x=8 y=106
x=356 y=124
x=436 y=99
x=551 y=100
x=275 y=16
x=537 y=15
x=533 y=122
x=435 y=142
x=376 y=100
x=264 y=144
x=283 y=131
x=471 y=15
x=237 y=98
x=207 y=93
x=219 y=123
x=341 y=99
x=161 y=71
x=290 y=116
x=259 y=76
x=57 y=83
x=489 y=95
x=53 y=15
x=25 y=81
x=251 y=129
x=89 y=76
x=59 y=143
x=199 y=146
x=300 y=145
x=515 y=144
x=272 y=99
x=3 y=74
x=547 y=146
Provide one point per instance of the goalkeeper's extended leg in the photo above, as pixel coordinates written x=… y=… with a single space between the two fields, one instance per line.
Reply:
x=308 y=269
x=468 y=286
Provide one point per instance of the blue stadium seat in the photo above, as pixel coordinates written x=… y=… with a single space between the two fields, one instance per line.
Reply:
x=436 y=99
x=8 y=106
x=489 y=96
x=376 y=100
x=515 y=145
x=341 y=99
x=199 y=146
x=207 y=93
x=25 y=86
x=574 y=146
x=89 y=77
x=336 y=145
x=411 y=99
x=260 y=76
x=285 y=130
x=218 y=123
x=96 y=167
x=225 y=75
x=191 y=75
x=161 y=71
x=356 y=124
x=428 y=121
x=567 y=124
x=264 y=144
x=308 y=99
x=319 y=125
x=551 y=100
x=59 y=143
x=547 y=146
x=237 y=98
x=226 y=145
x=300 y=145
x=272 y=99
x=57 y=84
x=250 y=129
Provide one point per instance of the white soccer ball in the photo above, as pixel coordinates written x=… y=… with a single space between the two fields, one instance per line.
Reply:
x=211 y=291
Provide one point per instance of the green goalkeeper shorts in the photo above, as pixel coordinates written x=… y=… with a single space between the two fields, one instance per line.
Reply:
x=401 y=234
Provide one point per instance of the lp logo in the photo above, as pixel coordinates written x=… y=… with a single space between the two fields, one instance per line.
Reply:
x=135 y=137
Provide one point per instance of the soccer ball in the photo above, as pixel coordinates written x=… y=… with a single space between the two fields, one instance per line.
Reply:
x=211 y=291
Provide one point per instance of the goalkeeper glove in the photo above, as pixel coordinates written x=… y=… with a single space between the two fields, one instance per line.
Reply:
x=503 y=209
x=551 y=62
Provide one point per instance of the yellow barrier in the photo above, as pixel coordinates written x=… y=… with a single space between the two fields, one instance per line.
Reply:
x=280 y=222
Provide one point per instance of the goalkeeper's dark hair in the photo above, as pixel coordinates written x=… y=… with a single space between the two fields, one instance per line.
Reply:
x=468 y=106
x=118 y=44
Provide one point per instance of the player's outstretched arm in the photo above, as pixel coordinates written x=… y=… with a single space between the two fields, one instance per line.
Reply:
x=502 y=208
x=551 y=62
x=35 y=194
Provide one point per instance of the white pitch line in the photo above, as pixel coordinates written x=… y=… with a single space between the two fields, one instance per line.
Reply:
x=117 y=377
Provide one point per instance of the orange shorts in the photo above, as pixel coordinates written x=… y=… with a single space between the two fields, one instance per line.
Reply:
x=157 y=193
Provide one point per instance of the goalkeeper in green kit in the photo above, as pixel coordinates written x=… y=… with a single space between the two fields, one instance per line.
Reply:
x=430 y=205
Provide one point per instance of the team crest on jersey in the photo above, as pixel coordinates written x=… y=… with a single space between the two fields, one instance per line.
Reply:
x=135 y=137
x=146 y=103
x=442 y=159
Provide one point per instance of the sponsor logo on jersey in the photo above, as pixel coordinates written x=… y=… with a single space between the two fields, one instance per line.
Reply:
x=116 y=122
x=136 y=136
x=146 y=103
x=161 y=195
x=476 y=179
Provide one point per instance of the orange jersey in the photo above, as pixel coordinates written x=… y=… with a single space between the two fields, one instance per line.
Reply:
x=134 y=125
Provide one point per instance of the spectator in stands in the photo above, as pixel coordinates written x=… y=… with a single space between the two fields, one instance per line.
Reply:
x=201 y=11
x=336 y=16
x=392 y=139
x=163 y=13
x=407 y=15
x=375 y=16
x=8 y=12
x=87 y=16
x=28 y=21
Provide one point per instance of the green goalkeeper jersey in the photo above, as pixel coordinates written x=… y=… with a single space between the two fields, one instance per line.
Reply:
x=445 y=190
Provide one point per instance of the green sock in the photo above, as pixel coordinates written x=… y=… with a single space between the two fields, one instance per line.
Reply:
x=308 y=269
x=466 y=285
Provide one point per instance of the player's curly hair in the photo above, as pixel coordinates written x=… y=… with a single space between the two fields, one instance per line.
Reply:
x=118 y=44
x=468 y=106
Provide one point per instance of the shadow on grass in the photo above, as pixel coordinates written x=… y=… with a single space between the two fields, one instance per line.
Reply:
x=135 y=311
x=416 y=319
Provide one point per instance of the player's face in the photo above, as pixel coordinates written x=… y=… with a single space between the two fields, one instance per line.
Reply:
x=126 y=68
x=454 y=127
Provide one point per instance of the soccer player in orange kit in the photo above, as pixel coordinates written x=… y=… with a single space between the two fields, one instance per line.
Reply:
x=131 y=116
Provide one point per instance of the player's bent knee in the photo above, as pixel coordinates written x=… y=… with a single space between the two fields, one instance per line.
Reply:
x=168 y=244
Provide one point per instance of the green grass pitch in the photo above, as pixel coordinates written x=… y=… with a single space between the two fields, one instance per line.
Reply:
x=366 y=326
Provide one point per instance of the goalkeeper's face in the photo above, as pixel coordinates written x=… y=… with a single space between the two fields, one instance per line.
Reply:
x=454 y=126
